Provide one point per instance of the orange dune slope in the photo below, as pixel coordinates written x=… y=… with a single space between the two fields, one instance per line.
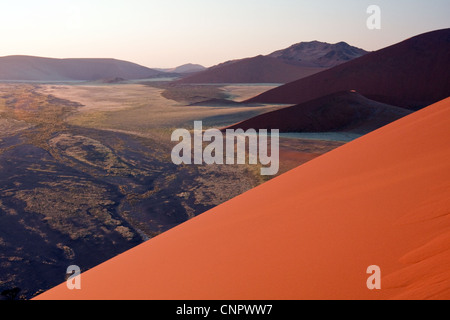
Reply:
x=311 y=233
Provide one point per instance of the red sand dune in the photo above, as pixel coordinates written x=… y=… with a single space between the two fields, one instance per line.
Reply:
x=311 y=233
x=344 y=111
x=411 y=74
x=259 y=69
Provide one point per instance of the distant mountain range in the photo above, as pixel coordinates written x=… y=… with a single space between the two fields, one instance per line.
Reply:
x=318 y=54
x=184 y=69
x=411 y=74
x=296 y=62
x=27 y=68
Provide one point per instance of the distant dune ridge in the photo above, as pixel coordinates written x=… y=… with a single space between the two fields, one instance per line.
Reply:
x=311 y=233
x=27 y=68
x=296 y=62
x=411 y=74
x=344 y=111
x=259 y=69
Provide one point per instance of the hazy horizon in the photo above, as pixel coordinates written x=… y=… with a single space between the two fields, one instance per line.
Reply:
x=163 y=34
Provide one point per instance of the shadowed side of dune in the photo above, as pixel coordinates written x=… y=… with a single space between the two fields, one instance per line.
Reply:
x=311 y=233
x=345 y=111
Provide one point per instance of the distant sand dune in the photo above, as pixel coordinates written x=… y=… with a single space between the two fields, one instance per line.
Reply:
x=410 y=74
x=253 y=70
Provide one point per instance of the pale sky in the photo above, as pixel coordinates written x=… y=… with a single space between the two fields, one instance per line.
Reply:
x=168 y=33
